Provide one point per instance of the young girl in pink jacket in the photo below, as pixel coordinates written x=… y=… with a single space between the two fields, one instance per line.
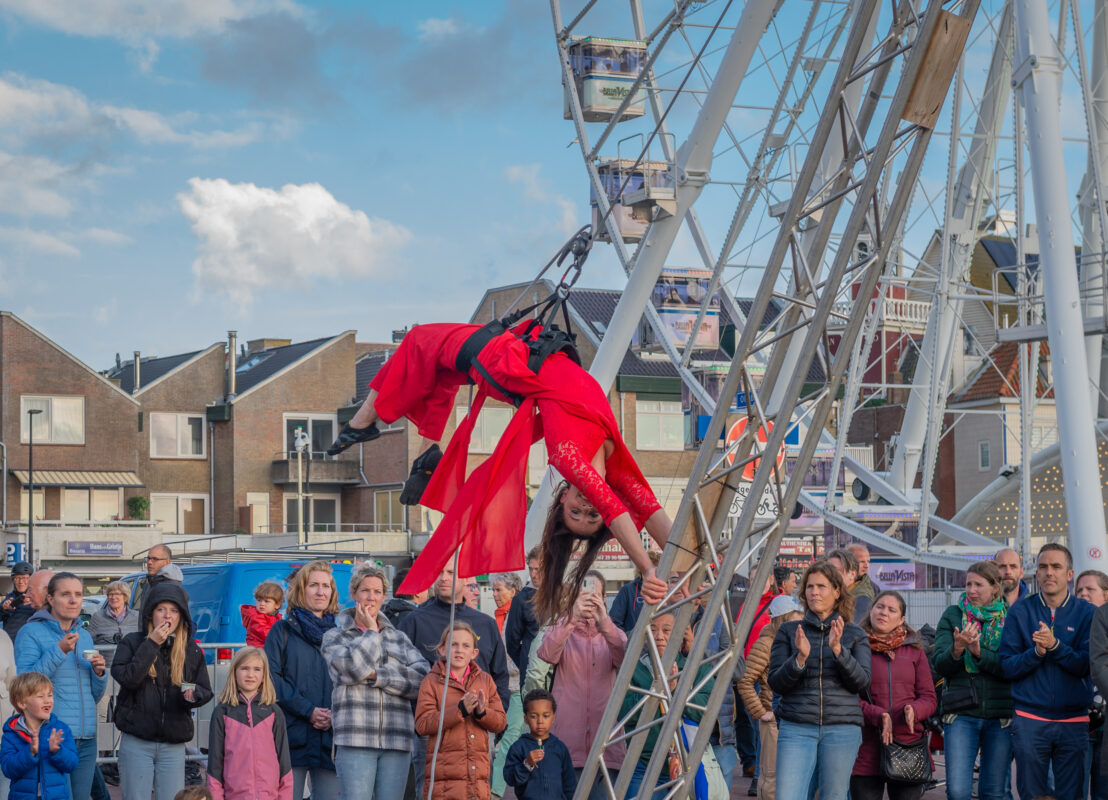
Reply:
x=248 y=750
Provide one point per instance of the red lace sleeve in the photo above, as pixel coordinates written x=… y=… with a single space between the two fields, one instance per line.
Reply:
x=568 y=458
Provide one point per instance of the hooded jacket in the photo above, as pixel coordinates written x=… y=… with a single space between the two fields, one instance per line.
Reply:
x=77 y=689
x=588 y=656
x=155 y=709
x=464 y=764
x=372 y=713
x=397 y=608
x=519 y=632
x=900 y=678
x=45 y=775
x=248 y=752
x=303 y=684
x=257 y=624
x=1055 y=685
x=825 y=690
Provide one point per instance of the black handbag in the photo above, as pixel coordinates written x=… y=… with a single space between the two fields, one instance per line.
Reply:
x=906 y=762
x=959 y=698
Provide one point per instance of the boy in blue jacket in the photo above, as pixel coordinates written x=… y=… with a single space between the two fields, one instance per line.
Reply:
x=37 y=751
x=1044 y=651
x=539 y=766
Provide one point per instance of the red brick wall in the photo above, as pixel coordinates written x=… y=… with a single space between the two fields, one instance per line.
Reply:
x=32 y=364
x=321 y=383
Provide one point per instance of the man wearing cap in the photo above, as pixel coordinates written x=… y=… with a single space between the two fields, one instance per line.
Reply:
x=16 y=608
x=759 y=701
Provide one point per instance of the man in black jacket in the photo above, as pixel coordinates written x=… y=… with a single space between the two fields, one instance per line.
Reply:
x=424 y=627
x=521 y=627
x=16 y=607
x=402 y=605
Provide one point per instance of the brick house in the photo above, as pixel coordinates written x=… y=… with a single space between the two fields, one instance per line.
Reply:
x=84 y=445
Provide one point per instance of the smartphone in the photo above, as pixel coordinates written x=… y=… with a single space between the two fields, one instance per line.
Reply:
x=592 y=585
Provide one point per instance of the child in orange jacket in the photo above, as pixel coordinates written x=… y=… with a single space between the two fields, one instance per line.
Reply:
x=473 y=711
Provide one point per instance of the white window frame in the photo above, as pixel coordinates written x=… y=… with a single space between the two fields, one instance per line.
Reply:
x=182 y=425
x=984 y=449
x=481 y=440
x=290 y=447
x=309 y=523
x=665 y=409
x=24 y=419
x=178 y=496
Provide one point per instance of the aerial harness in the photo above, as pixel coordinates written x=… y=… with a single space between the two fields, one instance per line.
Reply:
x=549 y=338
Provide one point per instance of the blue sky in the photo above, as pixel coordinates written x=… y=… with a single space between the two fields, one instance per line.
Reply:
x=172 y=170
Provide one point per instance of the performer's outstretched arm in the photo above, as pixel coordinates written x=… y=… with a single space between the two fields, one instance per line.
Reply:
x=625 y=532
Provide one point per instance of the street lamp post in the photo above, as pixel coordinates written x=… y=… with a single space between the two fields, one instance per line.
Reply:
x=31 y=412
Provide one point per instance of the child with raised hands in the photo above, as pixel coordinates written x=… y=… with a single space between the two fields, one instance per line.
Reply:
x=248 y=749
x=472 y=711
x=539 y=766
x=37 y=752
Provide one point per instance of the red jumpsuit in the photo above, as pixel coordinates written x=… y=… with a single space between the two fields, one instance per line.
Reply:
x=485 y=513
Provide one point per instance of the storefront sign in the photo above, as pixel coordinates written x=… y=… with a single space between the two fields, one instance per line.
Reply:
x=893 y=574
x=110 y=549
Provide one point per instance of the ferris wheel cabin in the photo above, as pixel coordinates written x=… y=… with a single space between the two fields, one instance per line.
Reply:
x=625 y=183
x=604 y=70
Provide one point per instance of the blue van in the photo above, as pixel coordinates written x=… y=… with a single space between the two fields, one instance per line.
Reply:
x=217 y=590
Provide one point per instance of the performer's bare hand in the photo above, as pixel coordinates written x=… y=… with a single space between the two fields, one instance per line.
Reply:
x=653 y=588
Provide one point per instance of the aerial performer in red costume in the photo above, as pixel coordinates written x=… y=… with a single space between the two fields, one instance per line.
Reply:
x=604 y=493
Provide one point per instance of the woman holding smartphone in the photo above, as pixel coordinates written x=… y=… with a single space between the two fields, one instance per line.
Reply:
x=588 y=649
x=162 y=678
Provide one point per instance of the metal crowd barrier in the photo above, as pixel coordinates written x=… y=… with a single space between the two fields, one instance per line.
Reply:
x=108 y=736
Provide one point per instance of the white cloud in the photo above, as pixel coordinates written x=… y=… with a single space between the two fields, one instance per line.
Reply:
x=537 y=190
x=134 y=20
x=438 y=28
x=105 y=313
x=36 y=109
x=253 y=237
x=32 y=185
x=104 y=236
x=37 y=241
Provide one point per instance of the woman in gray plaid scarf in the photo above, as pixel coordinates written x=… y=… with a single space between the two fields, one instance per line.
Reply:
x=376 y=672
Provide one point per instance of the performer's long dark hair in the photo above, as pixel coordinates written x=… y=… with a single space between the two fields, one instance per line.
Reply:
x=558 y=590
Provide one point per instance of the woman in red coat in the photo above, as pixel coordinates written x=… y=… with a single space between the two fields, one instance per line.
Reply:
x=605 y=493
x=901 y=696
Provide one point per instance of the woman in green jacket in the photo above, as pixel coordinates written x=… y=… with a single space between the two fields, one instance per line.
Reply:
x=976 y=703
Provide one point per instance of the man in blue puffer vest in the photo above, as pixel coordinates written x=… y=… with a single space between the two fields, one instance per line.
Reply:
x=1044 y=651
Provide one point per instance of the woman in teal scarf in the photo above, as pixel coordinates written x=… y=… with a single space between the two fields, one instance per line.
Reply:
x=976 y=703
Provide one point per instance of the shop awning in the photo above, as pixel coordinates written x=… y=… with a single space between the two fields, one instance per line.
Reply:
x=79 y=479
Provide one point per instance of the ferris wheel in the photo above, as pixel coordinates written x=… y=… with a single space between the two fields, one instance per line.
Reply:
x=834 y=168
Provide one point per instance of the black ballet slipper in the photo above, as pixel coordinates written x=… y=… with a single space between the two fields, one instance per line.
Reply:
x=348 y=437
x=417 y=482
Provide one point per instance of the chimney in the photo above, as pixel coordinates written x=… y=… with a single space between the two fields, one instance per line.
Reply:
x=138 y=357
x=232 y=363
x=118 y=362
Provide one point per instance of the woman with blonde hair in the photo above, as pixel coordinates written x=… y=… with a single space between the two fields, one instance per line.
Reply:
x=248 y=748
x=300 y=676
x=818 y=665
x=162 y=678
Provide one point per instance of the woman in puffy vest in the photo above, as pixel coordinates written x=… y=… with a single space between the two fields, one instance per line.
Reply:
x=818 y=666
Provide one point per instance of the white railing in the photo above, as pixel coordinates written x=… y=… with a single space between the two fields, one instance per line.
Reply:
x=913 y=313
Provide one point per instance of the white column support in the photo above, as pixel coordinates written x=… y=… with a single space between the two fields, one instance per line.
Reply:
x=1037 y=77
x=959 y=239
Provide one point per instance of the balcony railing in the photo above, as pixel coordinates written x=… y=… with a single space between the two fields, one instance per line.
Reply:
x=320 y=468
x=911 y=313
